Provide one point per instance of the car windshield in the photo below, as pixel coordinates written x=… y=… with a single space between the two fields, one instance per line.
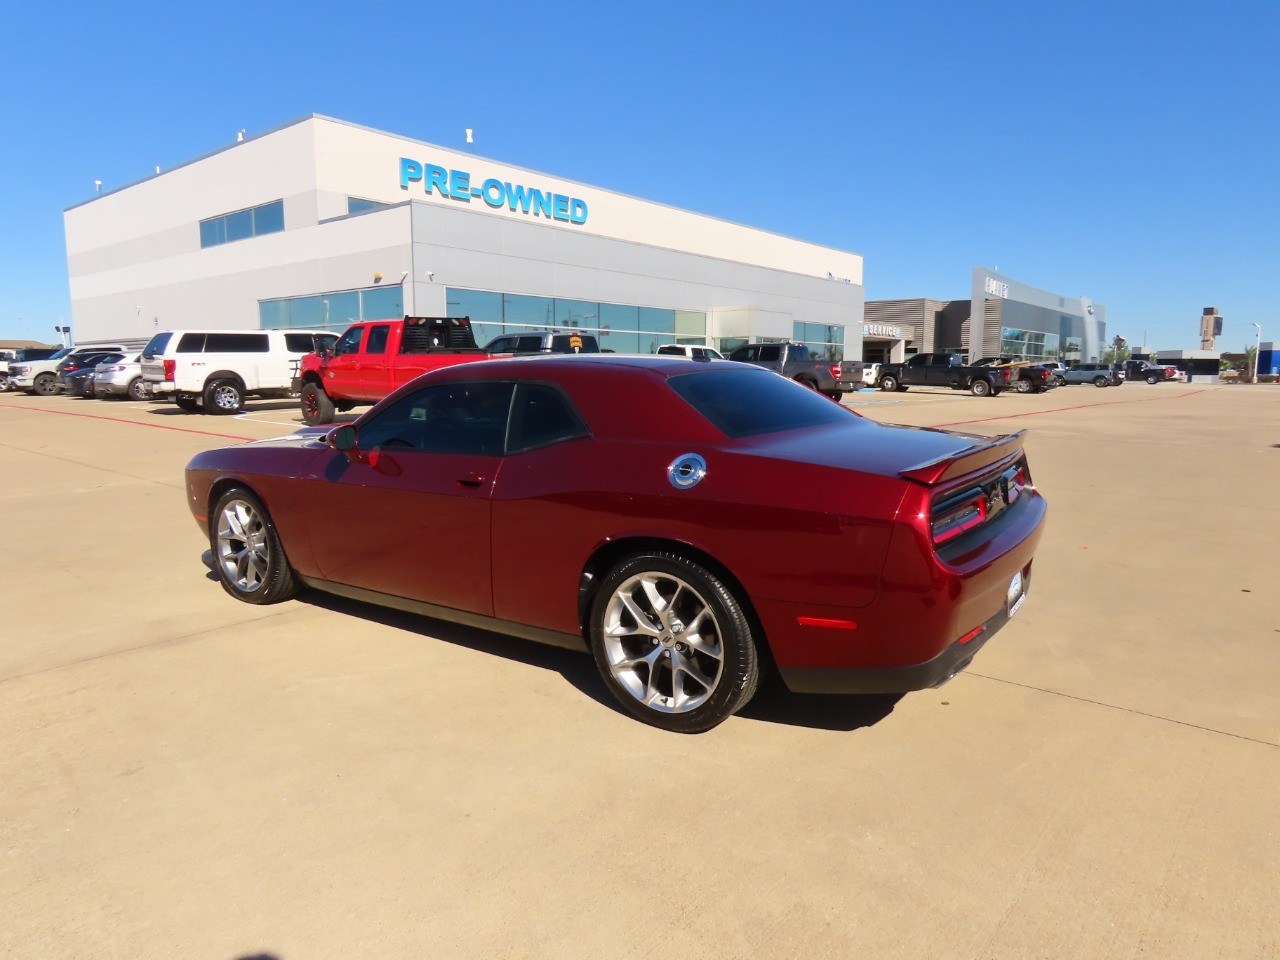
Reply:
x=747 y=403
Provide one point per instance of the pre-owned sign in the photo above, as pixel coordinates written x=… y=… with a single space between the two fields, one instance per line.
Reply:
x=495 y=193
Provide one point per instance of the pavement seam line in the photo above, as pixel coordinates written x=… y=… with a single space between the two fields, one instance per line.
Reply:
x=1115 y=706
x=92 y=466
x=144 y=646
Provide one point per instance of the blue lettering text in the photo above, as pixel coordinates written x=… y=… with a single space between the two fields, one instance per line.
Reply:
x=461 y=181
x=495 y=195
x=410 y=171
x=436 y=180
x=542 y=203
x=579 y=211
x=561 y=207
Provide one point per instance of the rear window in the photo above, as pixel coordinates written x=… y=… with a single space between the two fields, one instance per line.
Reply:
x=573 y=343
x=299 y=343
x=156 y=344
x=744 y=403
x=191 y=343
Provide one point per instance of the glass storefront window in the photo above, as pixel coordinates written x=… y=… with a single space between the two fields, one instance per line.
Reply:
x=657 y=320
x=382 y=303
x=531 y=311
x=618 y=341
x=577 y=314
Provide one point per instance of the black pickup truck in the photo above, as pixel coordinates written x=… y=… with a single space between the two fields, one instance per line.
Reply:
x=944 y=370
x=1146 y=370
x=834 y=378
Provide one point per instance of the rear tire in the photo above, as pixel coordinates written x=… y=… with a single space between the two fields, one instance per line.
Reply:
x=888 y=384
x=1153 y=379
x=980 y=388
x=1099 y=381
x=135 y=389
x=1024 y=386
x=317 y=408
x=223 y=396
x=247 y=553
x=672 y=643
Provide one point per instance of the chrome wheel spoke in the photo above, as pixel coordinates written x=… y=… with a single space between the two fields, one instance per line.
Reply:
x=643 y=624
x=242 y=546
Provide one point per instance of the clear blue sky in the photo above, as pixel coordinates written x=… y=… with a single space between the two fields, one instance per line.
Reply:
x=1128 y=152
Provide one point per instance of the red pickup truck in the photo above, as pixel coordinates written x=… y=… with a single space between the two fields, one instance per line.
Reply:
x=373 y=358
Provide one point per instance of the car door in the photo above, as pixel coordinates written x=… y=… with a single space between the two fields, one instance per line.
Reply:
x=410 y=515
x=915 y=370
x=374 y=363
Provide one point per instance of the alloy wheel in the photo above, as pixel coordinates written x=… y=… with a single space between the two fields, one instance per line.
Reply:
x=244 y=550
x=662 y=643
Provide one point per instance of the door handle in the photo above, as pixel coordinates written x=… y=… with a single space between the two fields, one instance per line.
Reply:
x=471 y=480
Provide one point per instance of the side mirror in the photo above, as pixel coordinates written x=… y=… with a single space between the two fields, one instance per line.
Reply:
x=345 y=440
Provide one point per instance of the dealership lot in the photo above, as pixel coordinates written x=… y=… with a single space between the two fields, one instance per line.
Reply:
x=187 y=776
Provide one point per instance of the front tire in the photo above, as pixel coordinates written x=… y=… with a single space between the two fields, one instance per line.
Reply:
x=1099 y=381
x=980 y=388
x=46 y=385
x=223 y=396
x=1153 y=379
x=672 y=643
x=247 y=553
x=317 y=407
x=888 y=384
x=1024 y=386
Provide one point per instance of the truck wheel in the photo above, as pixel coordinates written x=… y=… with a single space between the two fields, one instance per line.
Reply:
x=1153 y=379
x=317 y=408
x=980 y=388
x=888 y=384
x=223 y=396
x=1023 y=386
x=46 y=385
x=673 y=643
x=1099 y=381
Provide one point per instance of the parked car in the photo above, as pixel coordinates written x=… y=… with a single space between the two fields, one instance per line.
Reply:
x=122 y=378
x=79 y=383
x=41 y=376
x=218 y=369
x=870 y=374
x=373 y=358
x=1028 y=377
x=694 y=351
x=1148 y=371
x=833 y=378
x=944 y=370
x=1056 y=370
x=1099 y=374
x=78 y=362
x=663 y=533
x=545 y=341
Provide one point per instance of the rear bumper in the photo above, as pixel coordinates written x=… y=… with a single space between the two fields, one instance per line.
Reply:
x=159 y=388
x=920 y=676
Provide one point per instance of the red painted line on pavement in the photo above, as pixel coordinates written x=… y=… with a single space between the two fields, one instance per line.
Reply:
x=1083 y=406
x=135 y=423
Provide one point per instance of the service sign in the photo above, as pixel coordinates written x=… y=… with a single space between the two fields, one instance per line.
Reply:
x=495 y=194
x=997 y=288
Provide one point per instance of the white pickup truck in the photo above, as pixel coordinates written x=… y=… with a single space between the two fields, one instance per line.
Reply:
x=41 y=376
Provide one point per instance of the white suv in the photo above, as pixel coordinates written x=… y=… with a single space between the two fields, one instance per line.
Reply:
x=220 y=368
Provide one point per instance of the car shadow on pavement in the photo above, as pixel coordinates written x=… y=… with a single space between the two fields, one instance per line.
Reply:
x=773 y=702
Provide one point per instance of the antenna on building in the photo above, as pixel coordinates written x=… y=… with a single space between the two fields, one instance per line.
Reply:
x=97 y=186
x=470 y=138
x=157 y=168
x=239 y=136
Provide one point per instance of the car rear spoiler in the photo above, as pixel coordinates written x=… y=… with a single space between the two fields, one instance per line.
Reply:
x=981 y=454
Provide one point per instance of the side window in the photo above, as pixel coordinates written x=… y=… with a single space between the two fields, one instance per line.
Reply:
x=500 y=345
x=531 y=344
x=456 y=418
x=771 y=353
x=749 y=354
x=349 y=342
x=540 y=416
x=919 y=360
x=298 y=343
x=323 y=342
x=940 y=360
x=191 y=343
x=378 y=339
x=237 y=343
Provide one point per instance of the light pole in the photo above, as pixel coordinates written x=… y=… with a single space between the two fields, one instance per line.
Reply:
x=1257 y=348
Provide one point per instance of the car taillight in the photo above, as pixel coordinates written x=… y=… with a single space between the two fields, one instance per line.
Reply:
x=835 y=370
x=170 y=368
x=958 y=518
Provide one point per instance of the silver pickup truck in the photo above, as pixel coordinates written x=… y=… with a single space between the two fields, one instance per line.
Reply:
x=834 y=378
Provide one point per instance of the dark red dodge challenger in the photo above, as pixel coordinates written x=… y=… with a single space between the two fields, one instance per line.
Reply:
x=689 y=522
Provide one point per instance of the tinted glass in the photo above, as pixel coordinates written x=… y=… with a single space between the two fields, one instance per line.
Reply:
x=385 y=303
x=268 y=218
x=324 y=341
x=745 y=353
x=236 y=343
x=746 y=403
x=378 y=339
x=542 y=415
x=239 y=225
x=454 y=418
x=157 y=344
x=573 y=343
x=770 y=353
x=359 y=205
x=349 y=342
x=526 y=344
x=191 y=343
x=212 y=232
x=298 y=343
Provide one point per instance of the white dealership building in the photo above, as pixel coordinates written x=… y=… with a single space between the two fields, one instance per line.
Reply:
x=320 y=222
